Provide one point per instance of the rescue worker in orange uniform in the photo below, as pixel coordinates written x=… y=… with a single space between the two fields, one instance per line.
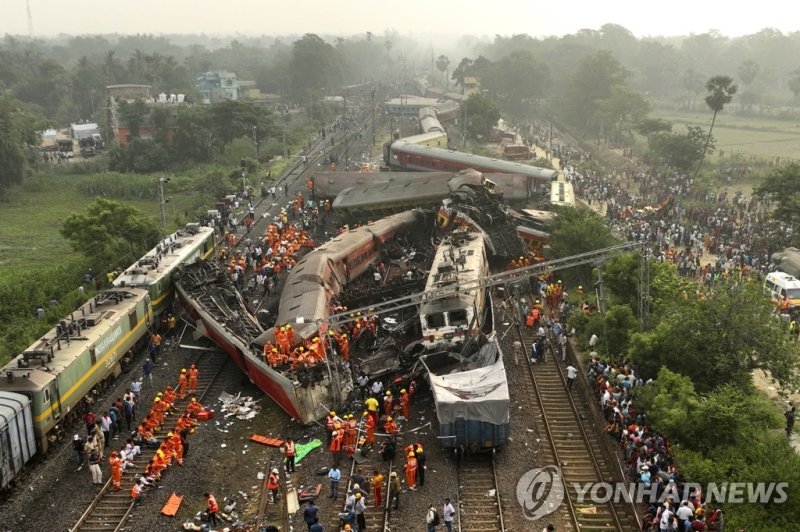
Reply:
x=273 y=485
x=177 y=445
x=369 y=426
x=193 y=373
x=344 y=346
x=336 y=445
x=290 y=335
x=350 y=435
x=411 y=471
x=182 y=382
x=158 y=411
x=377 y=487
x=330 y=423
x=194 y=407
x=116 y=470
x=169 y=395
x=405 y=402
x=390 y=426
x=387 y=403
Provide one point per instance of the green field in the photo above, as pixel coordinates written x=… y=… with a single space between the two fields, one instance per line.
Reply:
x=764 y=138
x=30 y=221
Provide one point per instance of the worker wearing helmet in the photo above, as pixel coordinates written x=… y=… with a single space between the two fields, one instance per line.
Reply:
x=337 y=436
x=405 y=402
x=422 y=461
x=273 y=485
x=388 y=402
x=391 y=427
x=193 y=374
x=369 y=427
x=182 y=382
x=411 y=471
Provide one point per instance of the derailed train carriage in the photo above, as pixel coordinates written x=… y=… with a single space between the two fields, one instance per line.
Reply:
x=465 y=364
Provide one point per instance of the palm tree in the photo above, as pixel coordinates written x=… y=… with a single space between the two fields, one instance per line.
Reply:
x=720 y=92
x=442 y=62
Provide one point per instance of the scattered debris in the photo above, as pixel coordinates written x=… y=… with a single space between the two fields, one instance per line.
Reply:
x=238 y=406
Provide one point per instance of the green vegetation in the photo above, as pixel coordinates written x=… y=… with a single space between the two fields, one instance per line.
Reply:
x=702 y=351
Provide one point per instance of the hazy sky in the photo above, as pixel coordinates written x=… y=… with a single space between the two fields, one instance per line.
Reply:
x=534 y=17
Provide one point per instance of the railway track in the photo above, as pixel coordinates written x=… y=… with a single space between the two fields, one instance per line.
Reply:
x=378 y=519
x=111 y=508
x=270 y=513
x=574 y=447
x=479 y=505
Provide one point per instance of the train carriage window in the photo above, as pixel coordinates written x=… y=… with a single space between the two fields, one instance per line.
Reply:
x=457 y=317
x=434 y=321
x=93 y=355
x=46 y=396
x=134 y=319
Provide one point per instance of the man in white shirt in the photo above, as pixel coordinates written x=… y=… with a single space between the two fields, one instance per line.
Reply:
x=447 y=515
x=572 y=373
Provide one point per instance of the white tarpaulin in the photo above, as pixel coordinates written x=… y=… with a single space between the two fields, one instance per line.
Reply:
x=474 y=395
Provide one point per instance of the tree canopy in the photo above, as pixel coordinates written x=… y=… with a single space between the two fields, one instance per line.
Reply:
x=718 y=337
x=782 y=186
x=17 y=131
x=110 y=232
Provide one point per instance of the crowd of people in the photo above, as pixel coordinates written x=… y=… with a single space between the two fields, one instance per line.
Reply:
x=173 y=447
x=647 y=456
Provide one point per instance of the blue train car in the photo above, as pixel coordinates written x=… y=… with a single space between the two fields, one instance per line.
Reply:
x=471 y=396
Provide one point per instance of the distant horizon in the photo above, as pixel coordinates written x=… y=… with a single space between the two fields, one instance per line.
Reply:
x=256 y=18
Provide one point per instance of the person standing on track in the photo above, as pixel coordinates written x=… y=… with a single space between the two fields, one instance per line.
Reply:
x=274 y=485
x=116 y=470
x=572 y=373
x=377 y=487
x=213 y=508
x=147 y=372
x=447 y=514
x=334 y=475
x=411 y=471
x=182 y=382
x=193 y=373
x=288 y=448
x=94 y=466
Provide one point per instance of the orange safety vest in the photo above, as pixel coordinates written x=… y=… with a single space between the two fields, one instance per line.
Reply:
x=272 y=482
x=212 y=504
x=336 y=442
x=289 y=448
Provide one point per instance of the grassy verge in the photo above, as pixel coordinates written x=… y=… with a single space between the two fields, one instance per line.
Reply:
x=764 y=138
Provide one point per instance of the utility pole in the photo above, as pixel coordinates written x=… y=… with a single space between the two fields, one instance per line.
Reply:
x=285 y=150
x=162 y=202
x=344 y=114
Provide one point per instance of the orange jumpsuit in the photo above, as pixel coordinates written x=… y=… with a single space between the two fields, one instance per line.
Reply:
x=411 y=472
x=193 y=372
x=182 y=386
x=116 y=471
x=387 y=405
x=369 y=423
x=344 y=347
x=193 y=408
x=406 y=403
x=350 y=435
x=177 y=444
x=391 y=427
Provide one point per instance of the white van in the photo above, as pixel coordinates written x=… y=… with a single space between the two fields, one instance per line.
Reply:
x=780 y=284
